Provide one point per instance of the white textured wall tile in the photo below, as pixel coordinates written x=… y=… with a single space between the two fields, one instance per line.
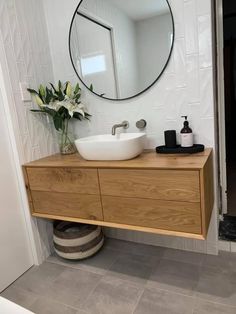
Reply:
x=233 y=247
x=206 y=93
x=224 y=245
x=203 y=7
x=179 y=56
x=177 y=7
x=193 y=82
x=190 y=25
x=205 y=44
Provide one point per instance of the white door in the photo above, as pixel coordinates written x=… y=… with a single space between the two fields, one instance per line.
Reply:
x=15 y=250
x=95 y=62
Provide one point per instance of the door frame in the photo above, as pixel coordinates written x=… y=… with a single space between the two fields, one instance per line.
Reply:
x=221 y=105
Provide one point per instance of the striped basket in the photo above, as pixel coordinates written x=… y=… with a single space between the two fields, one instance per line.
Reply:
x=76 y=241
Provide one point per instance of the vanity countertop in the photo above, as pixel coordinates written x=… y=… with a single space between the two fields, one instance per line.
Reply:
x=149 y=159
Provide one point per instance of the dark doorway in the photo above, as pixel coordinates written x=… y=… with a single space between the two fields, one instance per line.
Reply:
x=229 y=10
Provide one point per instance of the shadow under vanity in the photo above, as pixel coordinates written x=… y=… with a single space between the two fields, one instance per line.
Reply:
x=163 y=194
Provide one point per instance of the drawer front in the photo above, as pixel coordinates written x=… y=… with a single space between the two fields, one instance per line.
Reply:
x=68 y=204
x=70 y=180
x=176 y=185
x=167 y=215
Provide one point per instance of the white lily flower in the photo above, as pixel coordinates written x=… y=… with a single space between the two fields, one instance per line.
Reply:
x=73 y=107
x=69 y=89
x=38 y=100
x=54 y=105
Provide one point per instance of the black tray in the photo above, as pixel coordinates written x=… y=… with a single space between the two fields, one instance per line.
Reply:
x=196 y=148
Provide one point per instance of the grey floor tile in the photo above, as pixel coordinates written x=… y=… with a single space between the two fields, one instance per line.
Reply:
x=134 y=248
x=72 y=287
x=47 y=306
x=204 y=307
x=154 y=301
x=19 y=296
x=217 y=286
x=135 y=268
x=184 y=256
x=39 y=277
x=113 y=296
x=223 y=261
x=175 y=276
x=98 y=263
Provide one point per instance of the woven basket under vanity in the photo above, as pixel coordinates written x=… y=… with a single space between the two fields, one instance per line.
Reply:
x=76 y=241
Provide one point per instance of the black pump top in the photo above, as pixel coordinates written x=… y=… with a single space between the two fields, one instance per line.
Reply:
x=186 y=128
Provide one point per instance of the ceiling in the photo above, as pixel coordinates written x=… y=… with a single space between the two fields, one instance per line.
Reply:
x=142 y=9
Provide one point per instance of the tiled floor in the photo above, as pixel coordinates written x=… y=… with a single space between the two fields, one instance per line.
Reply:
x=125 y=278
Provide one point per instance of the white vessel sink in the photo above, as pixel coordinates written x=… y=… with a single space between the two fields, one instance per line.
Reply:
x=121 y=146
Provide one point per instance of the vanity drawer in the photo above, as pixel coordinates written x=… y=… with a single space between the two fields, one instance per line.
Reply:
x=70 y=180
x=67 y=204
x=167 y=215
x=152 y=184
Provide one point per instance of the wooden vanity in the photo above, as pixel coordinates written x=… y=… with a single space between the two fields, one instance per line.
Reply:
x=164 y=194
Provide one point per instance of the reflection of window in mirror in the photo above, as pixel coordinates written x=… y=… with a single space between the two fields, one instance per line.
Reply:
x=134 y=36
x=92 y=65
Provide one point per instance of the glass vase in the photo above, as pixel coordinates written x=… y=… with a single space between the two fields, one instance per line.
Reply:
x=66 y=140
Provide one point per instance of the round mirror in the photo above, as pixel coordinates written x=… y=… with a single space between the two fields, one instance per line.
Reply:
x=119 y=48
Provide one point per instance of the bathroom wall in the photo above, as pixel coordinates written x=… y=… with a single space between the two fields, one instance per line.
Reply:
x=186 y=88
x=23 y=37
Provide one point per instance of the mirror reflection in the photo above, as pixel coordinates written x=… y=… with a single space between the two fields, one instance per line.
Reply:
x=119 y=48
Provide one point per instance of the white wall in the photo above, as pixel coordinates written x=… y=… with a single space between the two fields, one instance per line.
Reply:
x=26 y=58
x=186 y=88
x=153 y=47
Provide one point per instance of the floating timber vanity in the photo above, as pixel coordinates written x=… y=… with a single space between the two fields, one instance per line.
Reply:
x=163 y=194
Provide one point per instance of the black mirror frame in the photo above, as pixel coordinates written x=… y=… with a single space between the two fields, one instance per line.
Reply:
x=147 y=88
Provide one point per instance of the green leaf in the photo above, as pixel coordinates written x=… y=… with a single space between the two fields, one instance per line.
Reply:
x=77 y=89
x=36 y=110
x=49 y=95
x=77 y=97
x=53 y=87
x=58 y=122
x=42 y=92
x=32 y=91
x=59 y=85
x=91 y=87
x=66 y=87
x=51 y=112
x=78 y=116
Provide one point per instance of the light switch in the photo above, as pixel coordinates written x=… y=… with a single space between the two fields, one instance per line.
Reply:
x=25 y=95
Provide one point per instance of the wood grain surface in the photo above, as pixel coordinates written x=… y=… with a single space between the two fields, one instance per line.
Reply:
x=68 y=204
x=123 y=226
x=207 y=193
x=154 y=184
x=82 y=181
x=169 y=215
x=147 y=160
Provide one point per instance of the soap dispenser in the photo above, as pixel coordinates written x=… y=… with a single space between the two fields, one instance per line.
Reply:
x=186 y=134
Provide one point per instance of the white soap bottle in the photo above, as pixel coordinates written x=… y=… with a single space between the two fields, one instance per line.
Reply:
x=186 y=134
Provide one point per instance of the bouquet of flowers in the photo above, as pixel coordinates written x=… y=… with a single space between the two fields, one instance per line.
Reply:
x=62 y=103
